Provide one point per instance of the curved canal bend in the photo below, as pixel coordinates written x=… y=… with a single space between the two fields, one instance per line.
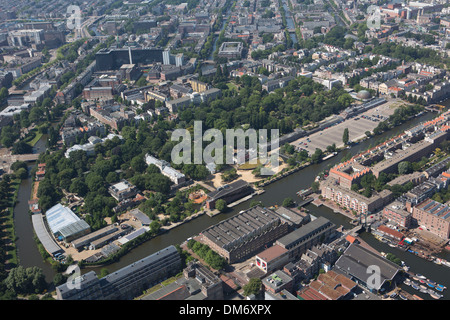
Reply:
x=275 y=194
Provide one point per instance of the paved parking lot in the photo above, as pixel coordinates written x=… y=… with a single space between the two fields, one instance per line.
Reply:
x=357 y=127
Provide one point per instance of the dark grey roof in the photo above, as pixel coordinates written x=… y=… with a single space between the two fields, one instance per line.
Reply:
x=142 y=217
x=226 y=189
x=125 y=271
x=304 y=231
x=233 y=231
x=356 y=260
x=289 y=215
x=78 y=284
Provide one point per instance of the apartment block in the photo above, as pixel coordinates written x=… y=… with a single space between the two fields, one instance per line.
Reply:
x=434 y=216
x=126 y=283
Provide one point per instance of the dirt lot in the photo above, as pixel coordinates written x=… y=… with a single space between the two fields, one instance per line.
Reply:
x=428 y=244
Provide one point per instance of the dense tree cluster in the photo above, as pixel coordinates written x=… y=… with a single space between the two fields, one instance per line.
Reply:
x=205 y=253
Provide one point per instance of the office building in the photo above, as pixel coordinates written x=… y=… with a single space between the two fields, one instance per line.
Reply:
x=113 y=59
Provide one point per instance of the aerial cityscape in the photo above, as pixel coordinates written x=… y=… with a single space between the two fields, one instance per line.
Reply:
x=246 y=151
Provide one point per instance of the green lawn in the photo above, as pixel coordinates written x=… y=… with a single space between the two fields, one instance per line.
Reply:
x=249 y=166
x=35 y=139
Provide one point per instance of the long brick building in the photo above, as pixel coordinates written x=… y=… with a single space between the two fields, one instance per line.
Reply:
x=244 y=234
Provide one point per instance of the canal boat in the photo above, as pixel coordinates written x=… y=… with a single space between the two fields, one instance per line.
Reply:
x=434 y=294
x=304 y=192
x=414 y=286
x=441 y=286
x=331 y=155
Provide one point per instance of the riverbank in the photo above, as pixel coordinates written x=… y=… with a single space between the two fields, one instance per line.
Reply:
x=319 y=201
x=8 y=239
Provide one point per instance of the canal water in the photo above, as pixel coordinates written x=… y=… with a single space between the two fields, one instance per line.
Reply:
x=27 y=251
x=290 y=22
x=275 y=194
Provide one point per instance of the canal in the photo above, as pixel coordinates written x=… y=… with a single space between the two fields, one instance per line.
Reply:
x=27 y=251
x=290 y=22
x=275 y=194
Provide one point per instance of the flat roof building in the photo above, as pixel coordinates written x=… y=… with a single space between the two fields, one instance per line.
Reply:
x=272 y=258
x=231 y=50
x=300 y=240
x=434 y=216
x=122 y=190
x=126 y=283
x=87 y=239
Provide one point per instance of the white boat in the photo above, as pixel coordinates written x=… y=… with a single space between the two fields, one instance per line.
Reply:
x=434 y=294
x=421 y=276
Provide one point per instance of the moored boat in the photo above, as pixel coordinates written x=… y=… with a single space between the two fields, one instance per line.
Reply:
x=420 y=276
x=434 y=294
